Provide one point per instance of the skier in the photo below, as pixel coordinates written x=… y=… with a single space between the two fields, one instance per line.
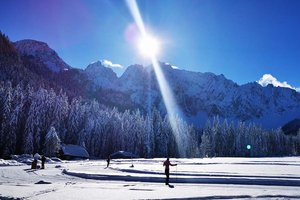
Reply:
x=108 y=161
x=43 y=162
x=167 y=165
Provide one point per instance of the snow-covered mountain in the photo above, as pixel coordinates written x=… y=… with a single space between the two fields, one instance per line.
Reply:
x=43 y=53
x=200 y=96
x=204 y=95
x=101 y=74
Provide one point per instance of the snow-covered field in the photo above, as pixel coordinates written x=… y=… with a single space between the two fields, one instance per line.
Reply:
x=216 y=178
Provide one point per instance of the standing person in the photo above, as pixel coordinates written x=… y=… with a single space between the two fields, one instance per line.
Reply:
x=43 y=162
x=167 y=165
x=108 y=161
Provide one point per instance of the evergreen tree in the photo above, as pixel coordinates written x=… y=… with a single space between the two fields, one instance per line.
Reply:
x=52 y=142
x=206 y=142
x=7 y=139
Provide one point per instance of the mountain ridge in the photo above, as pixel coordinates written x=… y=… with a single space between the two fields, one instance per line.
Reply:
x=204 y=95
x=200 y=96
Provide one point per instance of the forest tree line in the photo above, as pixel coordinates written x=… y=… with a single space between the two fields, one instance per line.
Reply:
x=31 y=118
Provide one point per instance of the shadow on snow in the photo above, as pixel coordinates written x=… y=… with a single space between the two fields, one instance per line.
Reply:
x=193 y=180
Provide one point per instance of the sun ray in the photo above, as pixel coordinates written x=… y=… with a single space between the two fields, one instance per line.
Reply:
x=167 y=95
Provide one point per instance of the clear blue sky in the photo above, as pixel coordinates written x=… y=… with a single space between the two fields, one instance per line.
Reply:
x=242 y=39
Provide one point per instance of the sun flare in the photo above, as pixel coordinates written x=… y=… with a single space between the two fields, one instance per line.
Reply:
x=148 y=46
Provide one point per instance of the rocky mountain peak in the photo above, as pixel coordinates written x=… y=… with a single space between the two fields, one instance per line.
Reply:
x=100 y=74
x=42 y=52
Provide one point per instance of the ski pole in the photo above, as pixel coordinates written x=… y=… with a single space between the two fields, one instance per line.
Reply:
x=176 y=173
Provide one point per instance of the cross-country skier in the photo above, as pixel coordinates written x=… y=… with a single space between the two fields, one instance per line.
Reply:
x=167 y=165
x=108 y=161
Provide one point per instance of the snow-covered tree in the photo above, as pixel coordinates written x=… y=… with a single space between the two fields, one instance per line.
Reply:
x=206 y=146
x=5 y=112
x=52 y=142
x=27 y=115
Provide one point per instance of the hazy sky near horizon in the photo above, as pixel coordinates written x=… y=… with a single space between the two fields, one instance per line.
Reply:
x=241 y=39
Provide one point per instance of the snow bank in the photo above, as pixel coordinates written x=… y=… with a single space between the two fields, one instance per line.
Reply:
x=24 y=158
x=28 y=158
x=9 y=163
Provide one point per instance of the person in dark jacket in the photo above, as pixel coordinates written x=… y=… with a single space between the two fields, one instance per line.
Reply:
x=167 y=165
x=108 y=161
x=43 y=162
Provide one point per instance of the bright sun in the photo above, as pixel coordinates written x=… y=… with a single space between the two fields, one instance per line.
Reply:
x=148 y=46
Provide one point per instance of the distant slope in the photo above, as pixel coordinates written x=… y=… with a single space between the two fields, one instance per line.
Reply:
x=204 y=95
x=43 y=53
x=21 y=66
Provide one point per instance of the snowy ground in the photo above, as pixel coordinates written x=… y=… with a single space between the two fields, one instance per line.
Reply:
x=217 y=178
